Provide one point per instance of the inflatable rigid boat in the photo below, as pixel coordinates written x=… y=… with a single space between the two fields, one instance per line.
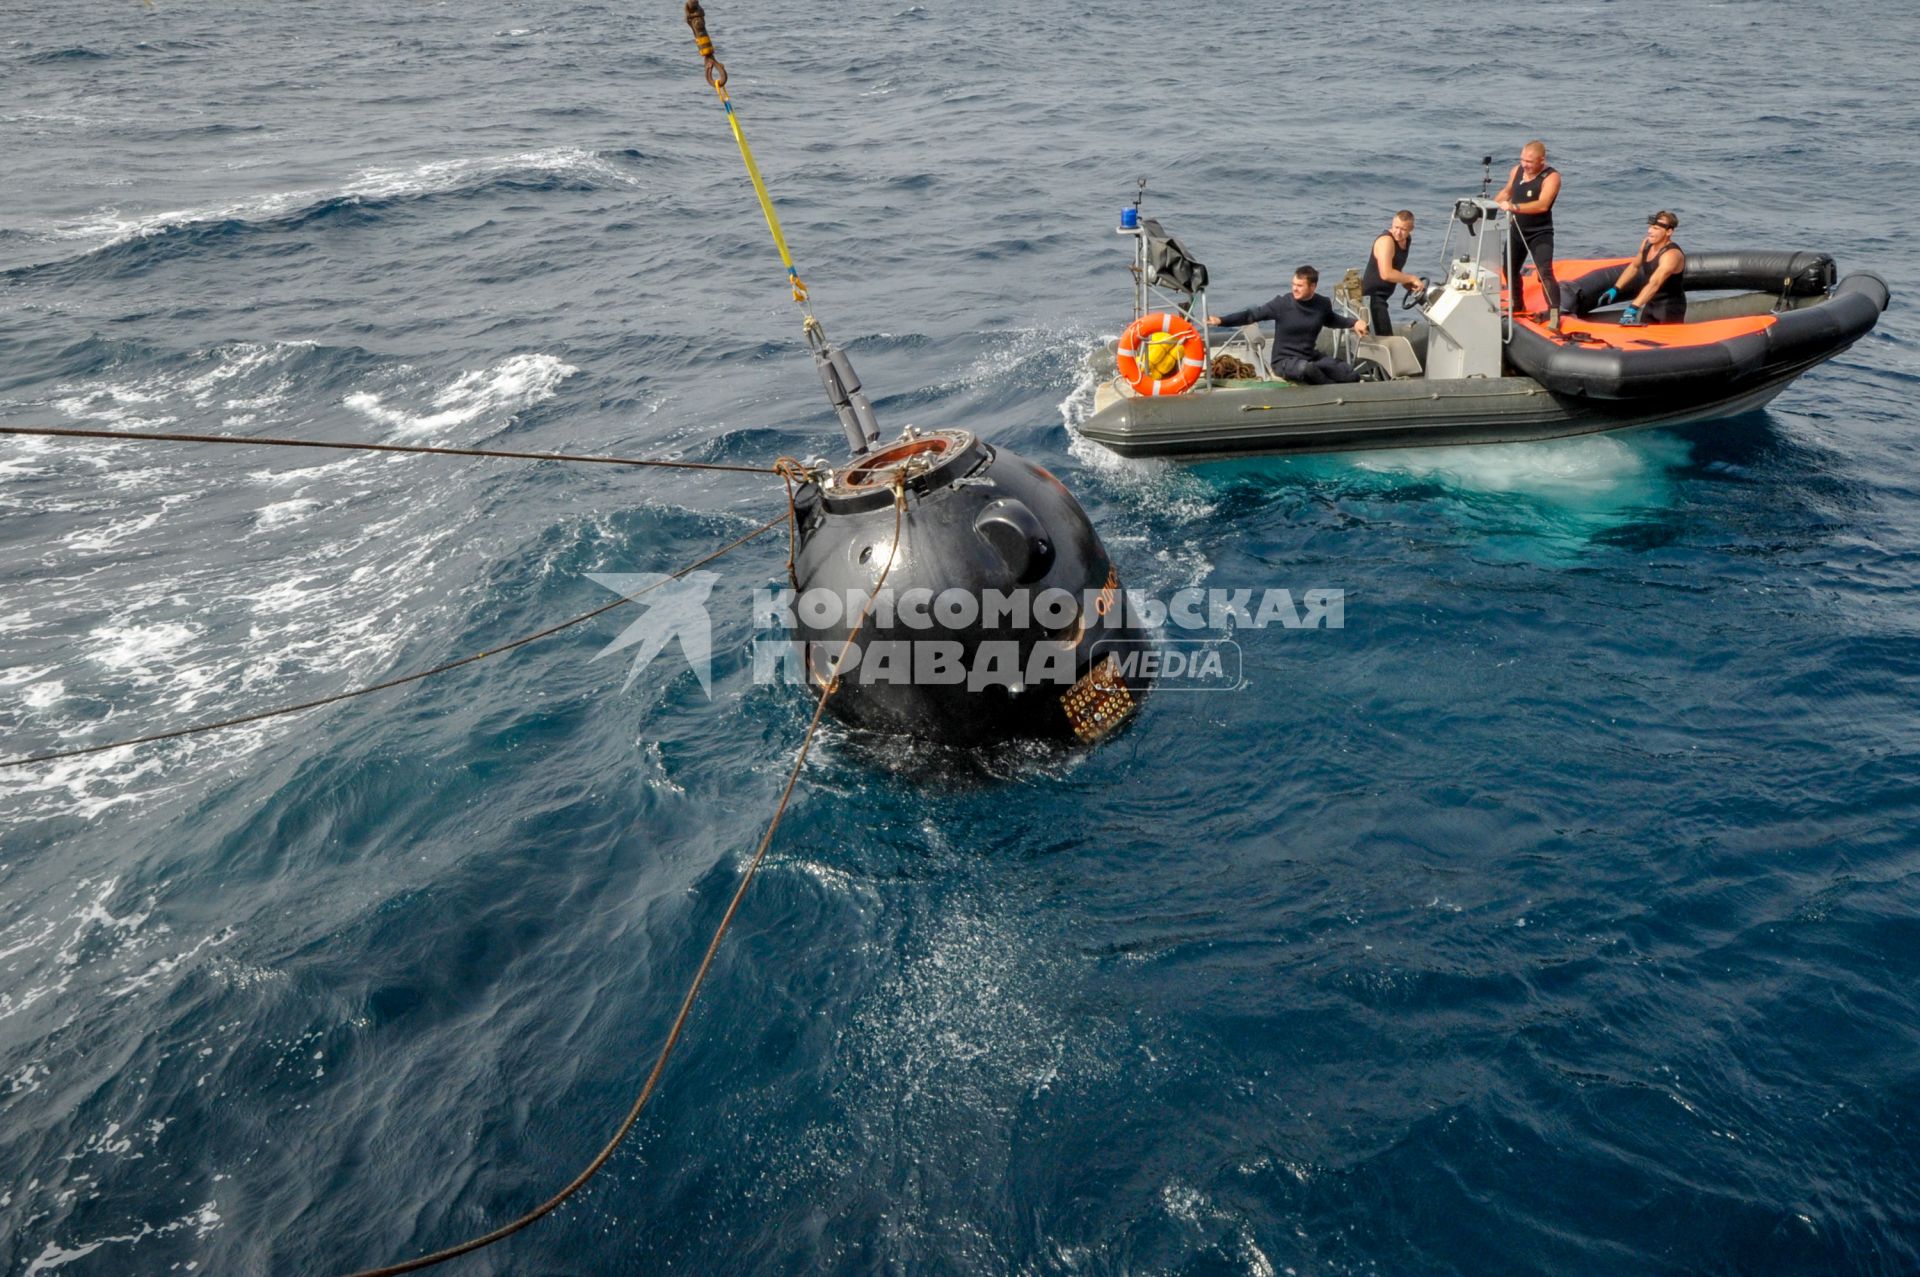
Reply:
x=1466 y=368
x=1789 y=316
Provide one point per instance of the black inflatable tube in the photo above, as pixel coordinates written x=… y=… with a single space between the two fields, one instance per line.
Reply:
x=1834 y=324
x=1795 y=338
x=1802 y=274
x=1803 y=334
x=1797 y=274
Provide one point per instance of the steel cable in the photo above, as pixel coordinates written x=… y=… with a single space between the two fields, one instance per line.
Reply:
x=392 y=682
x=56 y=432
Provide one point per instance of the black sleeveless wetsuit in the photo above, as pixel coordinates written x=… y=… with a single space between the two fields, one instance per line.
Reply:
x=1377 y=290
x=1669 y=305
x=1531 y=233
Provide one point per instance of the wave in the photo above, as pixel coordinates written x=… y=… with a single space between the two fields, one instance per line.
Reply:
x=317 y=582
x=230 y=385
x=76 y=53
x=559 y=168
x=202 y=1221
x=247 y=388
x=244 y=386
x=514 y=384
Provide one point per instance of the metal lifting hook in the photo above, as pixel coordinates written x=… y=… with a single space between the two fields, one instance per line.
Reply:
x=697 y=19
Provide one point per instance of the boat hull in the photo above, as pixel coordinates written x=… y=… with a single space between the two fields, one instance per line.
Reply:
x=1230 y=422
x=1733 y=356
x=1597 y=358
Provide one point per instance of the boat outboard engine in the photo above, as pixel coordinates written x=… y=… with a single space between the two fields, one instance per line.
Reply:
x=1000 y=615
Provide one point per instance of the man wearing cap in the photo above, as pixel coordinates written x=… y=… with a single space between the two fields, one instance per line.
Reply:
x=1661 y=270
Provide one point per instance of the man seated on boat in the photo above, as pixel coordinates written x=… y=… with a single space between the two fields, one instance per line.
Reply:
x=1297 y=321
x=1388 y=255
x=1661 y=268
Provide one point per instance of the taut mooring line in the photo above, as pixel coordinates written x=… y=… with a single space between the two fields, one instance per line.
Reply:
x=56 y=432
x=392 y=682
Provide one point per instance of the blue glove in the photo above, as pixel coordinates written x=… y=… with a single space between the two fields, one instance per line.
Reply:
x=1609 y=297
x=1630 y=318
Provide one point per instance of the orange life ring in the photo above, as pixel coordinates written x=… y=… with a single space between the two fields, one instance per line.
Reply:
x=1134 y=368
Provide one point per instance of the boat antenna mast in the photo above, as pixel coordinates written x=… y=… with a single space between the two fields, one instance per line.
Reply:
x=1486 y=185
x=836 y=370
x=1131 y=226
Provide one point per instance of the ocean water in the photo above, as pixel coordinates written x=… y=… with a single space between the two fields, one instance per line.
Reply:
x=1558 y=914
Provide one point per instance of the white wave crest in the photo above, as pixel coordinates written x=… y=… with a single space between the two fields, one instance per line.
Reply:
x=137 y=648
x=54 y=1256
x=240 y=375
x=64 y=944
x=280 y=513
x=23 y=458
x=514 y=384
x=1165 y=487
x=110 y=226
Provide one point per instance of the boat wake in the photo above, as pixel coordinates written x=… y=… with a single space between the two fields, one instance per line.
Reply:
x=1165 y=488
x=1601 y=470
x=1579 y=486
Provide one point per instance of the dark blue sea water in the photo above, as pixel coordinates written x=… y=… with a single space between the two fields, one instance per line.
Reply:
x=1557 y=915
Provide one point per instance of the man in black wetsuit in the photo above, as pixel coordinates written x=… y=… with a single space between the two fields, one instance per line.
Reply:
x=1528 y=198
x=1297 y=321
x=1388 y=255
x=1660 y=274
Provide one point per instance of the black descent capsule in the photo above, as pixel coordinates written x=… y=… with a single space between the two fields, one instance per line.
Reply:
x=1000 y=614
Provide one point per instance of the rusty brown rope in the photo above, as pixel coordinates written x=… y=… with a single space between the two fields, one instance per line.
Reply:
x=827 y=690
x=56 y=432
x=392 y=682
x=697 y=19
x=789 y=469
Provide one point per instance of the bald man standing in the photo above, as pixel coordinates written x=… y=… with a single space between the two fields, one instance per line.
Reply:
x=1528 y=197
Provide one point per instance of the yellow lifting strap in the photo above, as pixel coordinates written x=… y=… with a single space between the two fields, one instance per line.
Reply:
x=717 y=77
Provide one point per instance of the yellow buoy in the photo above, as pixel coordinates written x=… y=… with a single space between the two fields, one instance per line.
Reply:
x=1163 y=354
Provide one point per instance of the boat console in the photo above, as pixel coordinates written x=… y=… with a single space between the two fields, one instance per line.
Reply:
x=1463 y=314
